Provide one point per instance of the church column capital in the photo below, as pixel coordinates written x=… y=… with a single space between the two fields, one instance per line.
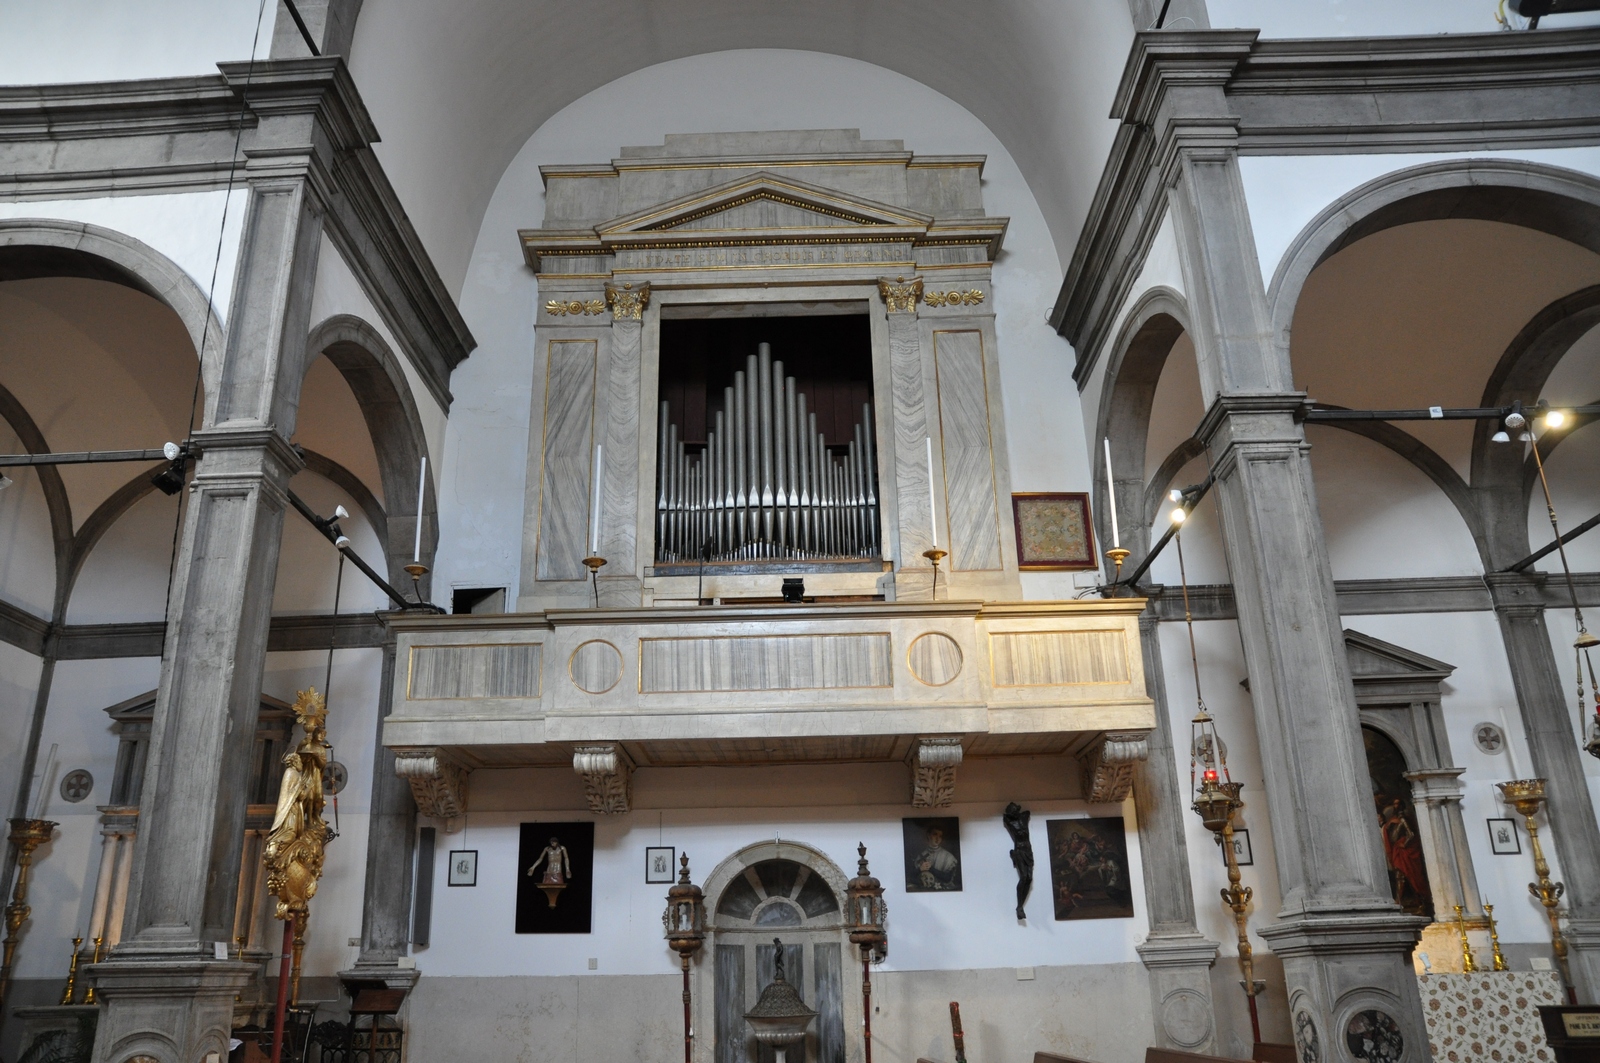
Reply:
x=900 y=296
x=607 y=772
x=438 y=783
x=933 y=771
x=628 y=302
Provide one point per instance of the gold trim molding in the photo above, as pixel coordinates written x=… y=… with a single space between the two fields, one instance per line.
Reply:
x=970 y=297
x=574 y=307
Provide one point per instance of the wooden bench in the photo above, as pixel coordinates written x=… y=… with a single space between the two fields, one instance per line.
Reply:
x=1267 y=1052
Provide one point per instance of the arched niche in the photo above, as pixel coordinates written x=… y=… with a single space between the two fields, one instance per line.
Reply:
x=795 y=893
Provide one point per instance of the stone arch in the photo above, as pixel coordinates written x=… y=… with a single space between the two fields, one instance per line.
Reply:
x=1138 y=355
x=53 y=247
x=379 y=384
x=788 y=890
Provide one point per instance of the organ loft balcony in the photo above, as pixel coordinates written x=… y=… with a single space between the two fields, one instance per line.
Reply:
x=923 y=684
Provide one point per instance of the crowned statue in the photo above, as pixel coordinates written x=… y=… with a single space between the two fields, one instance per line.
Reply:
x=295 y=844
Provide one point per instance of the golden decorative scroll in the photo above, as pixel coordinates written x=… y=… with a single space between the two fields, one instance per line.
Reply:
x=970 y=297
x=627 y=302
x=574 y=307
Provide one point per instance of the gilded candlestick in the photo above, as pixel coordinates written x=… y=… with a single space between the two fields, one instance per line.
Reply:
x=1527 y=796
x=72 y=974
x=1494 y=939
x=26 y=835
x=1468 y=964
x=89 y=996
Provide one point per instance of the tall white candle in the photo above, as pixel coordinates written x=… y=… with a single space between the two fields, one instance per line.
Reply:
x=45 y=779
x=594 y=522
x=1111 y=497
x=422 y=488
x=933 y=510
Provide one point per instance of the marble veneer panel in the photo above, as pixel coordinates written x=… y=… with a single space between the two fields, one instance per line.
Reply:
x=971 y=511
x=486 y=671
x=764 y=662
x=568 y=454
x=1058 y=658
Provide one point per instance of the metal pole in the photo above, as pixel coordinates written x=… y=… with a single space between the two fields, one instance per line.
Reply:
x=282 y=1009
x=688 y=1030
x=866 y=999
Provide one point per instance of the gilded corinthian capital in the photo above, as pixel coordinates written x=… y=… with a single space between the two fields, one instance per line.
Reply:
x=899 y=296
x=627 y=302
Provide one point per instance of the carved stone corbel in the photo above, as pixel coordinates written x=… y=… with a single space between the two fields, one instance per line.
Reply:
x=933 y=771
x=607 y=772
x=1108 y=765
x=438 y=784
x=627 y=302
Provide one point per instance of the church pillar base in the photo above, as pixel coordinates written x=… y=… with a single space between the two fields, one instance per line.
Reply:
x=1340 y=966
x=166 y=1010
x=1180 y=989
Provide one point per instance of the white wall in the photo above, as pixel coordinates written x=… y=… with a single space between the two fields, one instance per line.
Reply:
x=1372 y=18
x=27 y=550
x=485 y=450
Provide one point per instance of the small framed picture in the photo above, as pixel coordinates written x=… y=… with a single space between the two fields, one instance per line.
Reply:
x=1503 y=839
x=1241 y=848
x=463 y=867
x=1053 y=531
x=658 y=861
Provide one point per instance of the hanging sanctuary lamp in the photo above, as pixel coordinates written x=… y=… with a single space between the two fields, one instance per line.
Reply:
x=1216 y=795
x=685 y=925
x=868 y=913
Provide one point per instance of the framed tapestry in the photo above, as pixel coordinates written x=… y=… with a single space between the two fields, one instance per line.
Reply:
x=933 y=854
x=555 y=878
x=1089 y=868
x=1053 y=531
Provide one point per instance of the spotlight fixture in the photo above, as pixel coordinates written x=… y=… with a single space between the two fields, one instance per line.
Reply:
x=1176 y=494
x=171 y=451
x=1179 y=515
x=1500 y=437
x=342 y=541
x=1554 y=419
x=169 y=480
x=340 y=513
x=1515 y=420
x=5 y=481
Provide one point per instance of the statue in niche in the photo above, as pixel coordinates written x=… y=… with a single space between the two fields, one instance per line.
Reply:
x=557 y=870
x=1016 y=820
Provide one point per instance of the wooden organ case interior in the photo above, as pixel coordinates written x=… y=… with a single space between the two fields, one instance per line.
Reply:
x=766 y=453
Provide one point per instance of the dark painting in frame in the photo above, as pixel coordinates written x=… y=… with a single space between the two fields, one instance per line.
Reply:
x=932 y=854
x=1054 y=532
x=572 y=913
x=1089 y=868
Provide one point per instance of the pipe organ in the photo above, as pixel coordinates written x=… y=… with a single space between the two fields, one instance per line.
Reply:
x=765 y=485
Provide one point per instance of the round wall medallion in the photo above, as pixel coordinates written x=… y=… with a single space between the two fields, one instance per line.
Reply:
x=934 y=658
x=1186 y=1018
x=1489 y=738
x=1306 y=1042
x=334 y=776
x=1374 y=1036
x=76 y=785
x=595 y=667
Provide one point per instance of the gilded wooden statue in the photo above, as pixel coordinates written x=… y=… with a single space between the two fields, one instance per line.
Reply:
x=295 y=844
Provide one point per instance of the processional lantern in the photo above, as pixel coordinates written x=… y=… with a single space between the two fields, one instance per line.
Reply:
x=685 y=924
x=868 y=930
x=1216 y=795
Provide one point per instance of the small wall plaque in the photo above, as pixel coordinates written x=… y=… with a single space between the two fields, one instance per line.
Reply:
x=463 y=867
x=1503 y=838
x=1241 y=848
x=658 y=863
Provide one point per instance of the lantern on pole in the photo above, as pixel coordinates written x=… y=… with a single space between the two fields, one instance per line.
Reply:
x=868 y=914
x=685 y=924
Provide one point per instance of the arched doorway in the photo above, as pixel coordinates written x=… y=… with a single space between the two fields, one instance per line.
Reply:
x=793 y=893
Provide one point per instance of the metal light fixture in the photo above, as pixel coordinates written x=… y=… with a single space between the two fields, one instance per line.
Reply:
x=1216 y=798
x=868 y=916
x=685 y=924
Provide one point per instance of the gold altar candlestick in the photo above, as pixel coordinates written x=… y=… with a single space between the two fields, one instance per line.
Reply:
x=935 y=555
x=72 y=974
x=1117 y=555
x=27 y=835
x=594 y=565
x=1526 y=796
x=1468 y=964
x=1494 y=939
x=89 y=996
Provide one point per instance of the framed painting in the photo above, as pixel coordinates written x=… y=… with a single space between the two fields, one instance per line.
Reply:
x=933 y=854
x=555 y=878
x=1241 y=848
x=463 y=867
x=1053 y=531
x=1089 y=868
x=658 y=861
x=1503 y=838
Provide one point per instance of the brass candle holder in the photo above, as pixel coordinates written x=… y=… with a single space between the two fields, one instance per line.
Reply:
x=89 y=995
x=72 y=974
x=416 y=570
x=1494 y=939
x=935 y=555
x=594 y=565
x=1468 y=964
x=1117 y=556
x=1527 y=796
x=26 y=835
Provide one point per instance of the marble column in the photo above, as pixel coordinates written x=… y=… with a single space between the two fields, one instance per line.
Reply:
x=391 y=839
x=620 y=583
x=1553 y=742
x=167 y=997
x=913 y=426
x=1175 y=953
x=1344 y=944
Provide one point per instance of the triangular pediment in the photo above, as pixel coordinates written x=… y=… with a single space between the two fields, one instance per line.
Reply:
x=1370 y=657
x=762 y=201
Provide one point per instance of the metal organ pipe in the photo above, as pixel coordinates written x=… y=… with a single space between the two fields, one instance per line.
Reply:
x=766 y=484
